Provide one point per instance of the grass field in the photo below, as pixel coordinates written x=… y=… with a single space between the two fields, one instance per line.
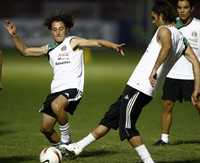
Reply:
x=26 y=84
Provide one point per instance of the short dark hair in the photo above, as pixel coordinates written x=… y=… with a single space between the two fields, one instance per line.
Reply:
x=67 y=19
x=191 y=2
x=166 y=9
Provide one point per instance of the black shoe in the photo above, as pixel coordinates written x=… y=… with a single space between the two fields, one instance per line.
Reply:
x=160 y=143
x=63 y=151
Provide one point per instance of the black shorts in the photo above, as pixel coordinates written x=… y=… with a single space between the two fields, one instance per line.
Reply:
x=177 y=90
x=123 y=114
x=73 y=96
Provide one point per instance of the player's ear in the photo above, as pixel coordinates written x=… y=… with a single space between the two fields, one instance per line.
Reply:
x=161 y=17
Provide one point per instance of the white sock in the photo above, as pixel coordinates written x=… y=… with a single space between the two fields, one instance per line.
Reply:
x=144 y=154
x=165 y=138
x=86 y=141
x=65 y=134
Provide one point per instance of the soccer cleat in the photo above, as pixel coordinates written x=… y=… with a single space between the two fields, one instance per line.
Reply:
x=72 y=149
x=59 y=147
x=160 y=143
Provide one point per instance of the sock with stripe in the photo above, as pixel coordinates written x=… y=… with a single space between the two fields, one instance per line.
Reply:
x=65 y=133
x=144 y=154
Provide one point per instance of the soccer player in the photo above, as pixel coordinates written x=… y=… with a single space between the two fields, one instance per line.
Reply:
x=66 y=59
x=179 y=83
x=165 y=48
x=1 y=64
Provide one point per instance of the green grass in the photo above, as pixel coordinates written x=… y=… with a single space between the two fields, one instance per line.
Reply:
x=26 y=84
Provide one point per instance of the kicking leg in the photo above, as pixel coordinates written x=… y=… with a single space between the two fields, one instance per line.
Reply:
x=141 y=149
x=75 y=149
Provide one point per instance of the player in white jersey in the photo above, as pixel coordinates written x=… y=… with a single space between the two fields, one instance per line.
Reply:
x=66 y=59
x=1 y=64
x=179 y=83
x=167 y=45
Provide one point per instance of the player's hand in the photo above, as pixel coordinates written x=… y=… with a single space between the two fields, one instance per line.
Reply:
x=196 y=98
x=10 y=27
x=119 y=48
x=153 y=78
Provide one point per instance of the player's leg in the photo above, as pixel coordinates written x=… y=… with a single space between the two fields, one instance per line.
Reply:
x=171 y=93
x=58 y=105
x=166 y=122
x=47 y=125
x=137 y=143
x=1 y=69
x=76 y=148
x=110 y=120
x=130 y=112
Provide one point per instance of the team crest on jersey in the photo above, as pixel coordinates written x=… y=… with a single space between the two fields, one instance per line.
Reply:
x=194 y=34
x=64 y=48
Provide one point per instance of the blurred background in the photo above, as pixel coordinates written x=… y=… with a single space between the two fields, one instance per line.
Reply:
x=26 y=82
x=126 y=21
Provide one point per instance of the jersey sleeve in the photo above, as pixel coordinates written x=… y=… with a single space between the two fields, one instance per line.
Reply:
x=51 y=46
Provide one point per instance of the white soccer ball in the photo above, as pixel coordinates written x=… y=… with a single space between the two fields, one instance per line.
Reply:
x=50 y=155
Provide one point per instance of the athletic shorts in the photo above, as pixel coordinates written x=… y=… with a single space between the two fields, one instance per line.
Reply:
x=72 y=95
x=123 y=114
x=177 y=90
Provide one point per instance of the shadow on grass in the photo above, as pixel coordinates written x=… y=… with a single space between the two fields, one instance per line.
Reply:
x=17 y=159
x=178 y=142
x=97 y=153
x=6 y=132
x=3 y=131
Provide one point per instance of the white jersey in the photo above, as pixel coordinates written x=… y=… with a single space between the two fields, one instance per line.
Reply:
x=140 y=76
x=183 y=68
x=68 y=67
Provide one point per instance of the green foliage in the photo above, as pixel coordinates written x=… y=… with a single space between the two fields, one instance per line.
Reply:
x=26 y=84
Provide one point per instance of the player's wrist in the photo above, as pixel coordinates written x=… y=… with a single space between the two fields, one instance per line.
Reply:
x=14 y=35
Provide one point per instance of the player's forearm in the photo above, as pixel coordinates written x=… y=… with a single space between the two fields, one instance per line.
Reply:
x=19 y=43
x=105 y=43
x=190 y=55
x=196 y=72
x=161 y=57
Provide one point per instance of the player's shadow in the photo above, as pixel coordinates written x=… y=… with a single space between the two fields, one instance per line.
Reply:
x=17 y=159
x=178 y=142
x=97 y=153
x=5 y=132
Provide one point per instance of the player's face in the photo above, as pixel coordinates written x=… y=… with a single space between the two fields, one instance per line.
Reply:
x=157 y=20
x=184 y=10
x=58 y=31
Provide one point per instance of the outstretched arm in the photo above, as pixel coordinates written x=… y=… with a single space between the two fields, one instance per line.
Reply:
x=164 y=37
x=190 y=55
x=80 y=42
x=20 y=44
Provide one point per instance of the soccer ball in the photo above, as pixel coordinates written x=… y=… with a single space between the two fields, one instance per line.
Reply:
x=50 y=155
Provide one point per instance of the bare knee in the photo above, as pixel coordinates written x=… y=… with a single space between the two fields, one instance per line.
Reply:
x=100 y=131
x=55 y=107
x=168 y=106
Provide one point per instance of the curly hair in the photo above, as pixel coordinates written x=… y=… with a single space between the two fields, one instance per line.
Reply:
x=166 y=9
x=67 y=19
